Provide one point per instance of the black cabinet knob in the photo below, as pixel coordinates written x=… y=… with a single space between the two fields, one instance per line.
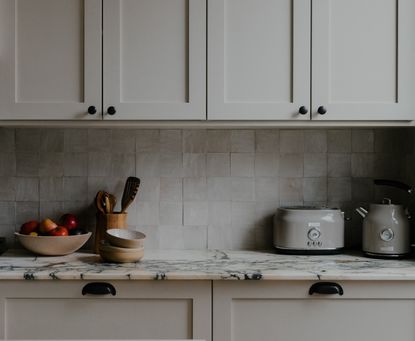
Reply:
x=92 y=110
x=322 y=110
x=326 y=288
x=99 y=288
x=303 y=110
x=111 y=110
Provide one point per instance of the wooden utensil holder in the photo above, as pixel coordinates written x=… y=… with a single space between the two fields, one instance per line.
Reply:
x=106 y=222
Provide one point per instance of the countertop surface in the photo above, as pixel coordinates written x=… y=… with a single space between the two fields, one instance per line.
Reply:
x=205 y=265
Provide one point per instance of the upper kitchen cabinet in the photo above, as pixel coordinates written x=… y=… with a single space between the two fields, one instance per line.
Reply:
x=50 y=59
x=363 y=57
x=259 y=59
x=154 y=59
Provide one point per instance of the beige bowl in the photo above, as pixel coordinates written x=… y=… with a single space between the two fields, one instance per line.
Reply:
x=119 y=254
x=125 y=238
x=52 y=245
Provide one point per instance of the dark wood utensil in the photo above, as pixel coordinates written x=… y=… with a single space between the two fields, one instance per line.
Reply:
x=130 y=191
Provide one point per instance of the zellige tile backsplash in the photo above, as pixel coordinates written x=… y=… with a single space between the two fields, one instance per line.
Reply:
x=200 y=188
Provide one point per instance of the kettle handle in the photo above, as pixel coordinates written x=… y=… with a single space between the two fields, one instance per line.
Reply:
x=393 y=183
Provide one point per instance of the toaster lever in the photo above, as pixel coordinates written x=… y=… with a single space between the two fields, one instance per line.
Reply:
x=326 y=288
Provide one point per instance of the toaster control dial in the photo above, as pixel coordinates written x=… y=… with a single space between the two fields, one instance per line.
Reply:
x=313 y=233
x=387 y=235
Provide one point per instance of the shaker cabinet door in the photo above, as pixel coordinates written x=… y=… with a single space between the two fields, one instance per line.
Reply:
x=50 y=59
x=154 y=59
x=140 y=310
x=284 y=311
x=363 y=55
x=259 y=59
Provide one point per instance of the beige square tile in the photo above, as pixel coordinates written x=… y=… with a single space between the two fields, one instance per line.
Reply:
x=195 y=189
x=218 y=164
x=315 y=165
x=75 y=140
x=266 y=164
x=171 y=213
x=339 y=141
x=194 y=140
x=291 y=165
x=339 y=165
x=196 y=213
x=171 y=141
x=218 y=141
x=99 y=140
x=339 y=189
x=291 y=191
x=171 y=165
x=27 y=189
x=266 y=141
x=291 y=141
x=147 y=141
x=147 y=164
x=266 y=189
x=242 y=164
x=363 y=141
x=219 y=188
x=363 y=165
x=171 y=189
x=194 y=164
x=28 y=139
x=315 y=141
x=315 y=189
x=243 y=189
x=52 y=140
x=242 y=141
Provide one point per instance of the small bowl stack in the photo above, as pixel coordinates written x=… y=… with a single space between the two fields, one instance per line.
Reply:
x=122 y=246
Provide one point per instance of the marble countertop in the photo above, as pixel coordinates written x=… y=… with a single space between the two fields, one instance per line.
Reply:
x=205 y=265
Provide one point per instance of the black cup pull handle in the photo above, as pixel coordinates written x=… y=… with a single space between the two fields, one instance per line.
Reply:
x=303 y=110
x=99 y=288
x=326 y=288
x=322 y=110
x=92 y=110
x=111 y=110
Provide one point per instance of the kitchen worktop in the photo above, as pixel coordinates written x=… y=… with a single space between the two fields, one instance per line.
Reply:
x=205 y=265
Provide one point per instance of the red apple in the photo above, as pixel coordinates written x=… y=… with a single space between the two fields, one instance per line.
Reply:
x=29 y=227
x=70 y=221
x=47 y=225
x=59 y=231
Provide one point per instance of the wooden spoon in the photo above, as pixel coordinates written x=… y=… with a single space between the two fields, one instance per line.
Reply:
x=130 y=191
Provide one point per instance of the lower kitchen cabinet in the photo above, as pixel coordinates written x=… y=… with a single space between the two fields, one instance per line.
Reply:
x=284 y=311
x=138 y=310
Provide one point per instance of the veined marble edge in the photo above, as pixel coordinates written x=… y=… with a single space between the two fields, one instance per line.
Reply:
x=214 y=265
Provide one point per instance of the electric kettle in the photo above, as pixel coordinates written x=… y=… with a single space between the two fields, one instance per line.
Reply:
x=386 y=230
x=386 y=227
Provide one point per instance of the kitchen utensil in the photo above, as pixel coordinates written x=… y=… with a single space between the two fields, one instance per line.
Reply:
x=52 y=245
x=105 y=222
x=130 y=191
x=99 y=202
x=119 y=254
x=309 y=230
x=113 y=202
x=125 y=238
x=107 y=203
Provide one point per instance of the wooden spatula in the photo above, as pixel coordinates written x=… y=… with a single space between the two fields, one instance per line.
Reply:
x=130 y=191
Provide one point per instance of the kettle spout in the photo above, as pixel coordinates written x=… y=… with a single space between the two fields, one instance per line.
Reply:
x=362 y=212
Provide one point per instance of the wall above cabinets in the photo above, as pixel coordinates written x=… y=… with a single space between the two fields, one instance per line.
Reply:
x=279 y=62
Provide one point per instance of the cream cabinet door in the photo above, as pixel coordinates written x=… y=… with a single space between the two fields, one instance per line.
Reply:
x=140 y=310
x=258 y=59
x=154 y=59
x=284 y=311
x=50 y=59
x=363 y=56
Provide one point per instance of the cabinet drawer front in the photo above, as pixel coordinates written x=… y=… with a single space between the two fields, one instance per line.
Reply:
x=285 y=311
x=138 y=310
x=88 y=318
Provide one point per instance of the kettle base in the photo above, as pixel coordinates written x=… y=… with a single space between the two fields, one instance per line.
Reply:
x=385 y=255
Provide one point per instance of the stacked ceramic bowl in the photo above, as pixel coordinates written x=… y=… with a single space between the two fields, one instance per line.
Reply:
x=122 y=246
